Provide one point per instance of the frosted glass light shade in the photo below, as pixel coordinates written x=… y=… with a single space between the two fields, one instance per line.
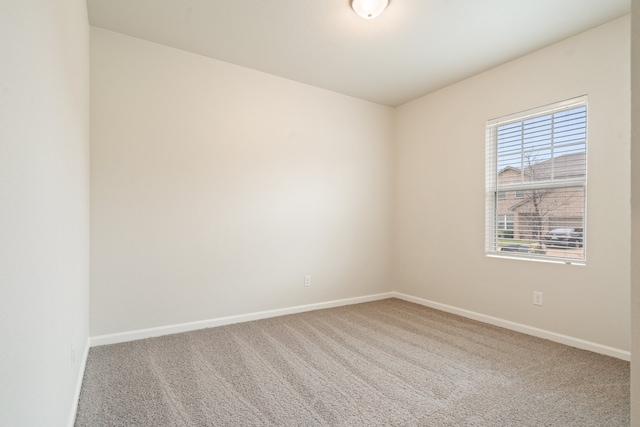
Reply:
x=369 y=9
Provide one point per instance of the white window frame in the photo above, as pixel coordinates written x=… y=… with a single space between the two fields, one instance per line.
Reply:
x=493 y=188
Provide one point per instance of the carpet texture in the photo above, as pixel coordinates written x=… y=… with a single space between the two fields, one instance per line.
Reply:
x=384 y=363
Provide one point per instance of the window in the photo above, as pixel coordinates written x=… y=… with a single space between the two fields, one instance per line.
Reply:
x=541 y=156
x=505 y=226
x=505 y=222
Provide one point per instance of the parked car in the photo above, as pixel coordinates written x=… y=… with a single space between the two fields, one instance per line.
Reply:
x=564 y=237
x=515 y=248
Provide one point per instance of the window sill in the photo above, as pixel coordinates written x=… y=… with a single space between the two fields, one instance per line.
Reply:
x=578 y=262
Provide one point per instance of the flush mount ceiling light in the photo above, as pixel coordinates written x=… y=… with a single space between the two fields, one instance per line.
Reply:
x=369 y=9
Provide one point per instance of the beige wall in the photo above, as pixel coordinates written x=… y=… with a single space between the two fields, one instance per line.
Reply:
x=216 y=188
x=44 y=209
x=635 y=213
x=439 y=193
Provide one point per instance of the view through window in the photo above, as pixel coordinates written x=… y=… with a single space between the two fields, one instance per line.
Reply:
x=536 y=183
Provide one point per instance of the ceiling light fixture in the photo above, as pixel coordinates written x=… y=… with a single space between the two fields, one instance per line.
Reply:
x=369 y=9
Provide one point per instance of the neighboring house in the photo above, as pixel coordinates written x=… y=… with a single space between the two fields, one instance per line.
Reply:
x=529 y=214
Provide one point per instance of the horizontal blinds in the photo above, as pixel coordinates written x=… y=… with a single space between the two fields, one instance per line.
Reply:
x=536 y=183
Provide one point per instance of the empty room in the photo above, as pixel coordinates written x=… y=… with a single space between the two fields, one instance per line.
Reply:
x=313 y=213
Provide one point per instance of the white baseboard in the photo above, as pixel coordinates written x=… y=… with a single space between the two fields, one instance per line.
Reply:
x=76 y=395
x=221 y=321
x=518 y=327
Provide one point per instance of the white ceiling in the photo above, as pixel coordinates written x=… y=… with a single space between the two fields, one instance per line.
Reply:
x=413 y=48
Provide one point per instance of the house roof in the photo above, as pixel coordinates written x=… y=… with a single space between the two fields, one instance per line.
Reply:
x=563 y=166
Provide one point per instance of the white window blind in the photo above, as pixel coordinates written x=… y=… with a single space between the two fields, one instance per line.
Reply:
x=536 y=181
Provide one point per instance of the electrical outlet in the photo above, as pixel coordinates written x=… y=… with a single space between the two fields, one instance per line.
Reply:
x=537 y=298
x=307 y=280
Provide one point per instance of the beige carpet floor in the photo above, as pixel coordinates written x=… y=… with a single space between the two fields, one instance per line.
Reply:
x=384 y=363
